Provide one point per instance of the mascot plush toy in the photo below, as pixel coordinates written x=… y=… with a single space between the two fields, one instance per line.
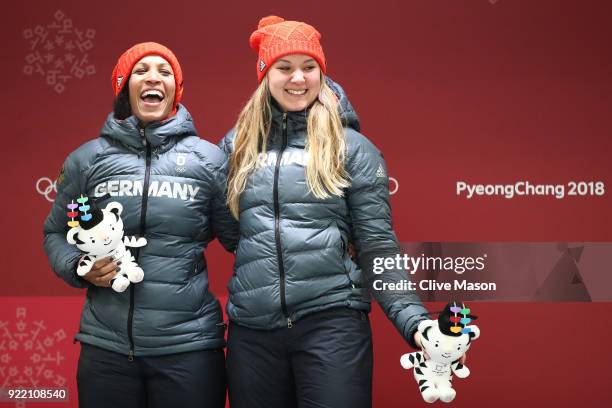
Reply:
x=99 y=234
x=445 y=340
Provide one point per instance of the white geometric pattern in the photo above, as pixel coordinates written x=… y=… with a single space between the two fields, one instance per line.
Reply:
x=59 y=51
x=30 y=338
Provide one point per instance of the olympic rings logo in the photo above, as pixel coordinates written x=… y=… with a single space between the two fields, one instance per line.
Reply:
x=393 y=181
x=45 y=187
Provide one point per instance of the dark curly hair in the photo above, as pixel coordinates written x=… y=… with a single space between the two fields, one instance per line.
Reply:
x=121 y=107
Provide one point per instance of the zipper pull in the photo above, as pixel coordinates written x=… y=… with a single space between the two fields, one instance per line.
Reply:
x=131 y=355
x=289 y=323
x=142 y=134
x=284 y=120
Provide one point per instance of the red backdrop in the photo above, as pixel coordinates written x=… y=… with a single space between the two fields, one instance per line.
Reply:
x=483 y=91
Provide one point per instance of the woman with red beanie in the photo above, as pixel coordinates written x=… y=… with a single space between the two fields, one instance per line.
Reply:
x=159 y=343
x=306 y=186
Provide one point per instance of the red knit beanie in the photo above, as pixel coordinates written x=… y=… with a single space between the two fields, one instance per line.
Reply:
x=128 y=59
x=275 y=38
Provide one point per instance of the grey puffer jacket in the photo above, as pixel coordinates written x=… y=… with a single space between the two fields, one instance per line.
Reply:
x=293 y=255
x=182 y=209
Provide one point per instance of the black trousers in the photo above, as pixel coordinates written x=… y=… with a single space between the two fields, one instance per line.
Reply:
x=193 y=379
x=324 y=360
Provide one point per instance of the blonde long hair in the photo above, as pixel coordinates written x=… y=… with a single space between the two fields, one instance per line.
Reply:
x=325 y=143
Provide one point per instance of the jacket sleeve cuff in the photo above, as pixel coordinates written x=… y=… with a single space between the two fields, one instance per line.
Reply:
x=412 y=322
x=410 y=339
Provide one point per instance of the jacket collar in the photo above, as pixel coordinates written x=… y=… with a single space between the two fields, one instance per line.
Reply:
x=296 y=121
x=158 y=134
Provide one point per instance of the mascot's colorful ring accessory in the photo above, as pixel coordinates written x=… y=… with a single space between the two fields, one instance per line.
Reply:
x=84 y=208
x=463 y=320
x=72 y=214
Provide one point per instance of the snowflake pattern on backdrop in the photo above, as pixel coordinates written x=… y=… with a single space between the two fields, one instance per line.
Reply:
x=32 y=339
x=59 y=51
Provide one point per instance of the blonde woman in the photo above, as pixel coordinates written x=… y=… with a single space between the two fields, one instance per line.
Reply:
x=305 y=185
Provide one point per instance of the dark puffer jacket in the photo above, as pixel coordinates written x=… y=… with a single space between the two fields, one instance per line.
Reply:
x=182 y=209
x=293 y=257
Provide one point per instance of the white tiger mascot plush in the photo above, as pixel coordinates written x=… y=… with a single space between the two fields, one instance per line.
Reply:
x=99 y=234
x=445 y=340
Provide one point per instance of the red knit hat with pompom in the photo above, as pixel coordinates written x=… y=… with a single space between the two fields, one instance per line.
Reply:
x=128 y=59
x=275 y=38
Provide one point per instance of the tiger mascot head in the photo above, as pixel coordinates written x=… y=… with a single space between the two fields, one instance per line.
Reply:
x=449 y=337
x=99 y=234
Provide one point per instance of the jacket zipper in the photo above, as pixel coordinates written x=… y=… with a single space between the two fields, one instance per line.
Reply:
x=279 y=252
x=143 y=217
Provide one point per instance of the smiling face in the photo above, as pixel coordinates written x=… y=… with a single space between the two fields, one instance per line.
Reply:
x=294 y=81
x=152 y=89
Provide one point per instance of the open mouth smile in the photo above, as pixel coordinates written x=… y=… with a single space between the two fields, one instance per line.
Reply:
x=152 y=97
x=296 y=92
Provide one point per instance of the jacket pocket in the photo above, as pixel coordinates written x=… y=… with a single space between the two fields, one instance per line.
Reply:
x=198 y=262
x=343 y=244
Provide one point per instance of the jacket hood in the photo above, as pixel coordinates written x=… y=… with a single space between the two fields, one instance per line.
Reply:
x=345 y=109
x=158 y=134
x=347 y=113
